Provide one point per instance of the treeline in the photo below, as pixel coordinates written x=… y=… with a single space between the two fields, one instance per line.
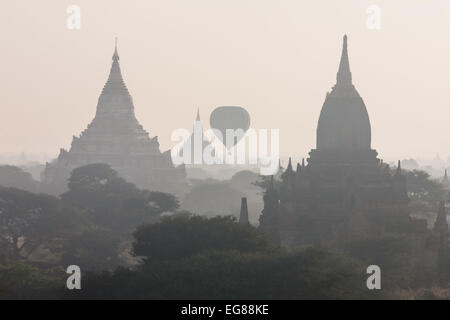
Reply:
x=138 y=244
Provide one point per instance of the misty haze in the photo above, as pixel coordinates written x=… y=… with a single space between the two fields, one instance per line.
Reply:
x=241 y=150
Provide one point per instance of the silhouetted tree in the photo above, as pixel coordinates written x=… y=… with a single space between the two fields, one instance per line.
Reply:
x=29 y=220
x=182 y=236
x=110 y=201
x=391 y=252
x=15 y=177
x=95 y=249
x=97 y=186
x=22 y=281
x=305 y=274
x=421 y=187
x=212 y=199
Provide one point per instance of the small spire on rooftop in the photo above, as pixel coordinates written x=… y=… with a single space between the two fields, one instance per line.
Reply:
x=116 y=54
x=344 y=76
x=243 y=217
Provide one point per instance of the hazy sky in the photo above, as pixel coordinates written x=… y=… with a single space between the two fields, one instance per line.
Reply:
x=275 y=58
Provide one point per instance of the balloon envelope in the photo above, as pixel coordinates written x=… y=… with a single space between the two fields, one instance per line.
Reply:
x=234 y=120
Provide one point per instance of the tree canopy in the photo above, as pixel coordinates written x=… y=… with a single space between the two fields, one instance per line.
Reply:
x=181 y=236
x=110 y=201
x=29 y=220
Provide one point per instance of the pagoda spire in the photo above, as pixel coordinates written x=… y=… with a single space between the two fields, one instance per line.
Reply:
x=289 y=167
x=271 y=184
x=116 y=54
x=399 y=167
x=344 y=76
x=288 y=173
x=243 y=218
x=115 y=98
x=445 y=181
x=115 y=80
x=440 y=223
x=441 y=227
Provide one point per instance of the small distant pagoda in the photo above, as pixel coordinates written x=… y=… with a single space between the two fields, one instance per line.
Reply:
x=445 y=181
x=115 y=137
x=194 y=147
x=243 y=216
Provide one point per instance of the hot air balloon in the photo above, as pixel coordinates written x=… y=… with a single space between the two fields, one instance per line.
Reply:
x=234 y=120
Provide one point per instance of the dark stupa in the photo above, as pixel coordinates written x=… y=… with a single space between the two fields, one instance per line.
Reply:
x=344 y=123
x=344 y=190
x=243 y=216
x=343 y=131
x=115 y=137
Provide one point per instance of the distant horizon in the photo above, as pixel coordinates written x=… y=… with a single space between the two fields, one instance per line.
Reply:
x=42 y=157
